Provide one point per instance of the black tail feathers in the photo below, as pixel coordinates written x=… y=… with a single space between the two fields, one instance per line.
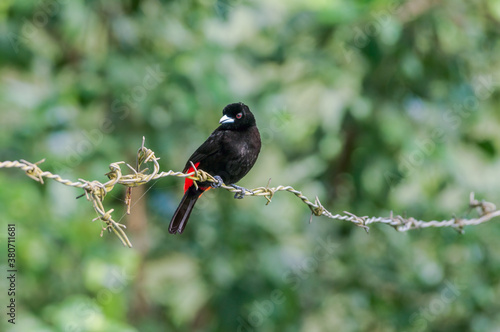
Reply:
x=181 y=215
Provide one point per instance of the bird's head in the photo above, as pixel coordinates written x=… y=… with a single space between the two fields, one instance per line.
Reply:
x=236 y=116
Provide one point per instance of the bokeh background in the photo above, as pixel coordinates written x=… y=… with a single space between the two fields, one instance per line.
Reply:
x=374 y=106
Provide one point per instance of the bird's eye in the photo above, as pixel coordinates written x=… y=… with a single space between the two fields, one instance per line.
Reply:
x=239 y=115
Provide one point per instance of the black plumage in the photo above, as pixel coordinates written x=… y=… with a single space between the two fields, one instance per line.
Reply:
x=229 y=153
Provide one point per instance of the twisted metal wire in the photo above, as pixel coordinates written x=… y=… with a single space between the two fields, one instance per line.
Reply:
x=95 y=192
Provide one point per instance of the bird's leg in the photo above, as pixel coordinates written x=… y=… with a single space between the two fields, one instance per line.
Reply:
x=217 y=184
x=242 y=190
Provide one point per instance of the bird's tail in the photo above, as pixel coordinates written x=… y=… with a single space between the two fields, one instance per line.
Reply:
x=181 y=215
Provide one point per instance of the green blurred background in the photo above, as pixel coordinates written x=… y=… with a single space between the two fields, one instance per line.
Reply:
x=371 y=105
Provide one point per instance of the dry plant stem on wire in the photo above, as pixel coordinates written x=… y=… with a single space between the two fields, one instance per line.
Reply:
x=95 y=192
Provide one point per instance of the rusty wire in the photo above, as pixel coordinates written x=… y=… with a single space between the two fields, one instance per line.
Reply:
x=95 y=192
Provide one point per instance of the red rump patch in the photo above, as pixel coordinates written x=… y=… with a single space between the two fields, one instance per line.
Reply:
x=188 y=182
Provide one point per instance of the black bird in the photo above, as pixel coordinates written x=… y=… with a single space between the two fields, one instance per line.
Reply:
x=228 y=154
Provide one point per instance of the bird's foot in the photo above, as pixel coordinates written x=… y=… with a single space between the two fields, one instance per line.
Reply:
x=241 y=194
x=217 y=184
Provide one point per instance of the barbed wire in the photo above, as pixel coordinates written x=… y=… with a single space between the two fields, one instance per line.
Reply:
x=95 y=192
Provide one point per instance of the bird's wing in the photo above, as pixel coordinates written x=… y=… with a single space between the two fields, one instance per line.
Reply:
x=209 y=147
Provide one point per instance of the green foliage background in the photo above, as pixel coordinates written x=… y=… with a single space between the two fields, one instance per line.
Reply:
x=371 y=105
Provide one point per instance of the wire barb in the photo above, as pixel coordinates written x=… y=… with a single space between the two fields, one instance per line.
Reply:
x=95 y=192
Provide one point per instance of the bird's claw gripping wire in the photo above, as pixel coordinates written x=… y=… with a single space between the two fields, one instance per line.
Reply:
x=241 y=194
x=218 y=182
